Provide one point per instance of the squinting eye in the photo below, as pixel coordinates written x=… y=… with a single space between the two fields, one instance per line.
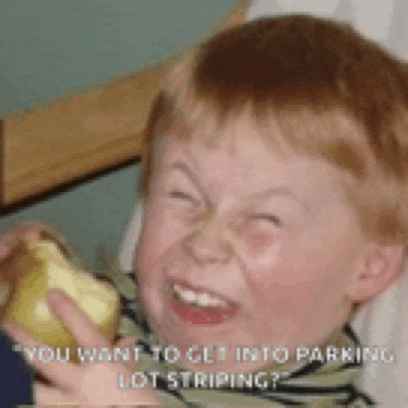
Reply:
x=182 y=196
x=267 y=217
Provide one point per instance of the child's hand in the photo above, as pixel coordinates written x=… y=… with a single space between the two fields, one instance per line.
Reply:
x=8 y=242
x=26 y=233
x=86 y=383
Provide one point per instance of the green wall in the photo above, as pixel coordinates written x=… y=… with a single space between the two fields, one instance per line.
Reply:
x=48 y=46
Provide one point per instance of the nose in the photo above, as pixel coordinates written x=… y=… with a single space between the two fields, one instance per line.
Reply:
x=208 y=243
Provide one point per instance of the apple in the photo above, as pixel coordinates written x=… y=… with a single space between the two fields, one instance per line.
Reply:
x=39 y=266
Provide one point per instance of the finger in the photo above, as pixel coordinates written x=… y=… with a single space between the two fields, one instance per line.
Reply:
x=27 y=232
x=82 y=328
x=31 y=235
x=63 y=378
x=126 y=341
x=6 y=243
x=10 y=239
x=37 y=231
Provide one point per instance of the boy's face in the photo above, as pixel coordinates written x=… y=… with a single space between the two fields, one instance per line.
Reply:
x=275 y=239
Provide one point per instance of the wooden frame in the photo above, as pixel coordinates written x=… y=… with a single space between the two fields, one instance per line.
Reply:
x=96 y=130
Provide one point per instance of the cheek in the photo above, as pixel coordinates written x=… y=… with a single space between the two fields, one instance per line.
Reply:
x=289 y=289
x=148 y=250
x=282 y=300
x=257 y=242
x=179 y=210
x=163 y=228
x=294 y=310
x=171 y=219
x=301 y=282
x=326 y=256
x=176 y=223
x=261 y=250
x=145 y=261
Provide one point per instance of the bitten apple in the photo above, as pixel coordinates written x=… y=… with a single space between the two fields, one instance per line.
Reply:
x=30 y=272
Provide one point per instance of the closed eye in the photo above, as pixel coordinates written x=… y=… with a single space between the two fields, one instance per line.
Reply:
x=182 y=196
x=267 y=217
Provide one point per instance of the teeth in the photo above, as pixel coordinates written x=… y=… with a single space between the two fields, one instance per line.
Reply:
x=203 y=299
x=188 y=296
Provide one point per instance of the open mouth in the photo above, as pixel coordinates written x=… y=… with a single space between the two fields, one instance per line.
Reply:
x=201 y=308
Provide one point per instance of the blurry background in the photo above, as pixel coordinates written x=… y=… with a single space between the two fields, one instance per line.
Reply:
x=48 y=46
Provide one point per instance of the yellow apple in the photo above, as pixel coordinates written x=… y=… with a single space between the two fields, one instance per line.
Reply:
x=40 y=266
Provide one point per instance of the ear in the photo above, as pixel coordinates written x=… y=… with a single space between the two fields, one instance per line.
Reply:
x=381 y=267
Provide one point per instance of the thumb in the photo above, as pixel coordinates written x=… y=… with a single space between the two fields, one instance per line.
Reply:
x=127 y=341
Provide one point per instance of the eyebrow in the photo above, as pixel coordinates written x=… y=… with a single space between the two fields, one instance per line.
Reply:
x=184 y=168
x=282 y=190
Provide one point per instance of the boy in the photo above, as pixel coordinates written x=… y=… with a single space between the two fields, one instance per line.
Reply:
x=275 y=171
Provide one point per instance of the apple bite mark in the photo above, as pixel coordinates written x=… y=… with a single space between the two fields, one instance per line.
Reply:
x=41 y=266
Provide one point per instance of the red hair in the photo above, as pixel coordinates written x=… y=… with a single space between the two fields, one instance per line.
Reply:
x=332 y=92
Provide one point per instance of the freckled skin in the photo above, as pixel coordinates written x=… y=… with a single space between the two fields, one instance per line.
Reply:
x=276 y=236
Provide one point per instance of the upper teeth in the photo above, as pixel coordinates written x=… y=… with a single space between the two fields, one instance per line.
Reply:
x=203 y=299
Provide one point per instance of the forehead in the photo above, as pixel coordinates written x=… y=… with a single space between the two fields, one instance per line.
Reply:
x=245 y=155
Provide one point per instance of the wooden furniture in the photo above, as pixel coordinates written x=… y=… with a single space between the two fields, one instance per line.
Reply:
x=98 y=130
